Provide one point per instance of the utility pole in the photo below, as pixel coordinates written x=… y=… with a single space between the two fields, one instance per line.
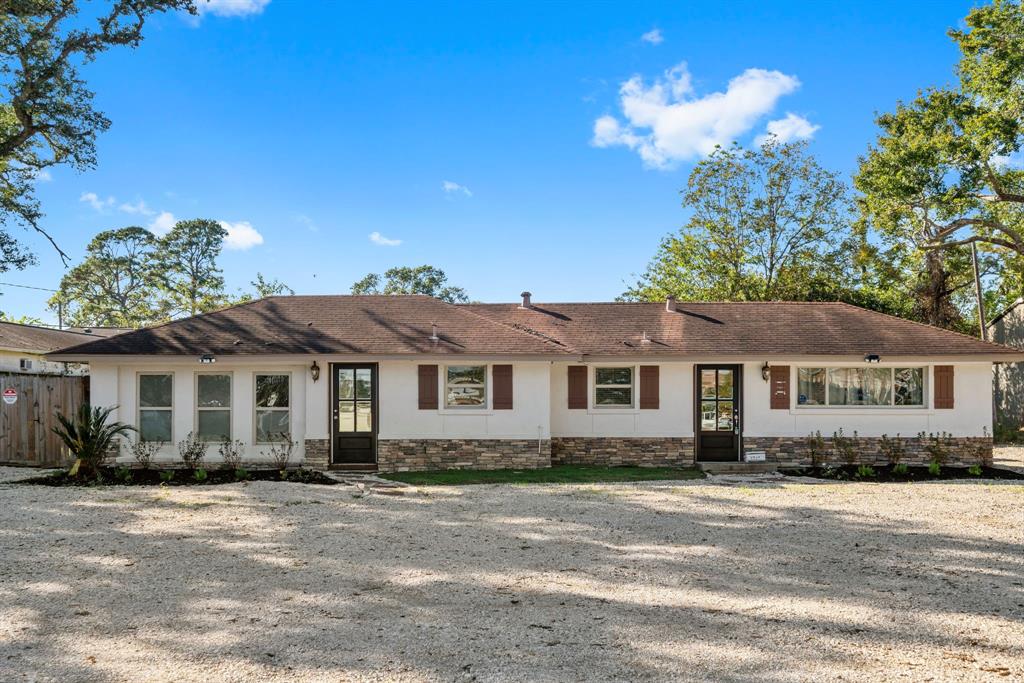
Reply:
x=977 y=290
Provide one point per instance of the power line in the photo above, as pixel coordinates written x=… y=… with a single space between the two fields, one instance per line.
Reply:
x=41 y=289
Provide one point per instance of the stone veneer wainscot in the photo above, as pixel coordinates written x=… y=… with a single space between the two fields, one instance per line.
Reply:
x=613 y=451
x=410 y=455
x=792 y=451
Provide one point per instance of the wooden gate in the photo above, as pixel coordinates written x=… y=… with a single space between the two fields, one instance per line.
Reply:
x=26 y=426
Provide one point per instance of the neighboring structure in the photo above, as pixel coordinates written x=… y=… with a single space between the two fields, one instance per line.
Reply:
x=1008 y=328
x=23 y=349
x=411 y=382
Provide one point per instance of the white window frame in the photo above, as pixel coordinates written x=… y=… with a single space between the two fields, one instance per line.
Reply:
x=486 y=387
x=594 y=386
x=231 y=403
x=138 y=401
x=256 y=408
x=827 y=405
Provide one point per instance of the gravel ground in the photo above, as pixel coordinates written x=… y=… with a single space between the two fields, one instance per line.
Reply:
x=769 y=581
x=1009 y=456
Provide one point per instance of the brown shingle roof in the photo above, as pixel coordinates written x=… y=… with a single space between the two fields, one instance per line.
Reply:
x=402 y=325
x=16 y=337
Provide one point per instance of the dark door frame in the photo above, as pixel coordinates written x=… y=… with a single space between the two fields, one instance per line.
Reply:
x=332 y=406
x=737 y=370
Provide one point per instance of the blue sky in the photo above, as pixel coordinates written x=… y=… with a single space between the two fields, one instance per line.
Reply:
x=466 y=132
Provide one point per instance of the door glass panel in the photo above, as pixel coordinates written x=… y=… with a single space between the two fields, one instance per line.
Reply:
x=725 y=384
x=364 y=386
x=346 y=383
x=346 y=417
x=725 y=416
x=707 y=416
x=364 y=417
x=707 y=383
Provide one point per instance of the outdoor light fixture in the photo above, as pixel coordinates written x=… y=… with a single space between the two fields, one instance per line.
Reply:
x=872 y=358
x=766 y=371
x=314 y=371
x=206 y=359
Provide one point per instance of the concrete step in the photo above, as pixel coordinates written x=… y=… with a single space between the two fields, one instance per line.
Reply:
x=738 y=467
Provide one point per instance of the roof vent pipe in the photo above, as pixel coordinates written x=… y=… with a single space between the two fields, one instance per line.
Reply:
x=433 y=333
x=670 y=304
x=526 y=300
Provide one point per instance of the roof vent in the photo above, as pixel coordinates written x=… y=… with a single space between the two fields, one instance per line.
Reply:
x=645 y=339
x=670 y=304
x=526 y=300
x=433 y=333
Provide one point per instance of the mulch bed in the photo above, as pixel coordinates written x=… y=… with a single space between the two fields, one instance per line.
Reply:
x=885 y=473
x=110 y=476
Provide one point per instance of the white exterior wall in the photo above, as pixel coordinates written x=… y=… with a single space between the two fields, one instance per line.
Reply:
x=10 y=361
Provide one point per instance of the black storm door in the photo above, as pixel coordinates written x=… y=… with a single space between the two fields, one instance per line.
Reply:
x=354 y=413
x=717 y=420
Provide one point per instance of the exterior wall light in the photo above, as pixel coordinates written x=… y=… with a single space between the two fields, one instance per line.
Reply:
x=766 y=372
x=206 y=359
x=872 y=358
x=314 y=371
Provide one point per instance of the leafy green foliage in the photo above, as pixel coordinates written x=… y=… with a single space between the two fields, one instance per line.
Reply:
x=406 y=280
x=866 y=472
x=892 y=449
x=934 y=468
x=166 y=476
x=231 y=454
x=900 y=468
x=186 y=260
x=847 y=448
x=192 y=450
x=816 y=448
x=262 y=288
x=974 y=470
x=200 y=475
x=90 y=435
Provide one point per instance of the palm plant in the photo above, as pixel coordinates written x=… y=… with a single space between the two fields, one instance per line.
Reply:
x=89 y=436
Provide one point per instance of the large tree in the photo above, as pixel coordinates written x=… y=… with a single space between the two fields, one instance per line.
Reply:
x=187 y=262
x=406 y=280
x=47 y=115
x=116 y=285
x=766 y=224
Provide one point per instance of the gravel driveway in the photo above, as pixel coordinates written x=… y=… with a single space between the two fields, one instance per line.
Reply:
x=656 y=581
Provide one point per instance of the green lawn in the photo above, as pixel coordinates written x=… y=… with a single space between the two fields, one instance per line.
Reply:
x=563 y=474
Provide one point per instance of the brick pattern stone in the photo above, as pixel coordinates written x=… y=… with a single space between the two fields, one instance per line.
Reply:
x=613 y=451
x=318 y=454
x=412 y=455
x=790 y=451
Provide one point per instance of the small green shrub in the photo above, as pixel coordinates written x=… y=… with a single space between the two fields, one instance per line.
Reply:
x=937 y=445
x=892 y=449
x=899 y=468
x=935 y=468
x=846 y=447
x=241 y=474
x=123 y=475
x=200 y=475
x=166 y=476
x=974 y=470
x=231 y=454
x=816 y=448
x=143 y=452
x=192 y=450
x=281 y=453
x=866 y=472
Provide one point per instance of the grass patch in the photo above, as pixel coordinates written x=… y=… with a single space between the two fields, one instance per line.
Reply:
x=562 y=474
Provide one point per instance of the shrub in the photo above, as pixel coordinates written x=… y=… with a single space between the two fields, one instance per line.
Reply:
x=892 y=449
x=241 y=474
x=192 y=450
x=89 y=436
x=231 y=454
x=816 y=448
x=974 y=470
x=866 y=471
x=981 y=451
x=900 y=468
x=123 y=475
x=166 y=476
x=143 y=452
x=281 y=452
x=846 y=447
x=934 y=468
x=199 y=475
x=937 y=446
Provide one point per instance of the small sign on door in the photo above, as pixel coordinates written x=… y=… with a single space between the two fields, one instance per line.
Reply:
x=10 y=395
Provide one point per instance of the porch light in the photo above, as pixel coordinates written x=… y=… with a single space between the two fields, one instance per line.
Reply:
x=314 y=371
x=765 y=371
x=207 y=359
x=872 y=358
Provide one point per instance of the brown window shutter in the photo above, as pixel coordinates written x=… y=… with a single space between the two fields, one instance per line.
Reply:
x=577 y=387
x=944 y=387
x=778 y=384
x=501 y=396
x=650 y=392
x=428 y=387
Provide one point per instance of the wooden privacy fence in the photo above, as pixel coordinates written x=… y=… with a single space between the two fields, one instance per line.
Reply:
x=26 y=426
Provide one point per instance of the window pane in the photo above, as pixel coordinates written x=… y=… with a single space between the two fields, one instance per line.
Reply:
x=614 y=396
x=725 y=384
x=346 y=383
x=214 y=425
x=725 y=416
x=155 y=425
x=707 y=383
x=465 y=396
x=364 y=386
x=214 y=391
x=155 y=391
x=364 y=417
x=909 y=387
x=346 y=416
x=272 y=391
x=613 y=376
x=877 y=386
x=811 y=386
x=272 y=425
x=708 y=415
x=846 y=386
x=466 y=374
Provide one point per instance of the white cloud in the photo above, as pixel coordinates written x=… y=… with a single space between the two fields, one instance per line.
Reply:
x=666 y=122
x=449 y=187
x=231 y=8
x=383 y=241
x=138 y=207
x=93 y=200
x=162 y=224
x=653 y=37
x=793 y=127
x=241 y=235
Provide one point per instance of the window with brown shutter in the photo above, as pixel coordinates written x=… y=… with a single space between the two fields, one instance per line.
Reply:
x=577 y=387
x=650 y=393
x=944 y=387
x=428 y=387
x=778 y=384
x=501 y=397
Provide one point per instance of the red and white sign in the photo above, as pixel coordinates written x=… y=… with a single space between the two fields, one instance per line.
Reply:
x=10 y=395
